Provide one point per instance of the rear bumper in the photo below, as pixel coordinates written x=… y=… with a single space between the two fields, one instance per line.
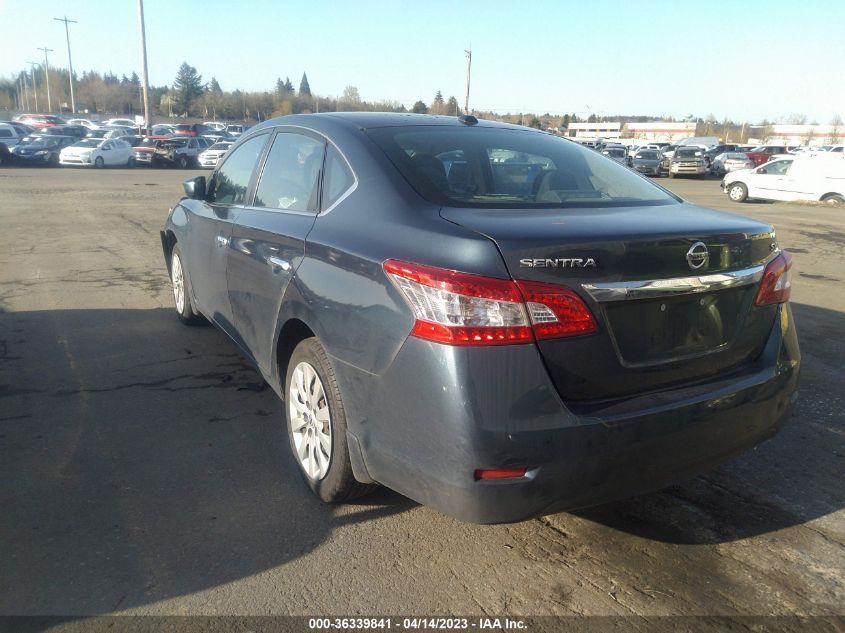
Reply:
x=440 y=413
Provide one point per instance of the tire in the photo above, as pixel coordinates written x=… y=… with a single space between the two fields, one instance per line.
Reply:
x=671 y=175
x=130 y=163
x=182 y=162
x=834 y=198
x=182 y=302
x=738 y=192
x=314 y=408
x=99 y=163
x=54 y=161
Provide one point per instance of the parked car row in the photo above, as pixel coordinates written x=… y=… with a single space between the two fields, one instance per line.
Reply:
x=45 y=139
x=82 y=142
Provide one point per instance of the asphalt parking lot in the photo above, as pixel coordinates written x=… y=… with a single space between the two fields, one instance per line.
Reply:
x=144 y=466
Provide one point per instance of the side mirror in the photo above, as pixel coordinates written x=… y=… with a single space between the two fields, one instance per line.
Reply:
x=195 y=188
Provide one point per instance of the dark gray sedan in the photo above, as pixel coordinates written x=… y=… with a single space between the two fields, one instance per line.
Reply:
x=491 y=320
x=648 y=161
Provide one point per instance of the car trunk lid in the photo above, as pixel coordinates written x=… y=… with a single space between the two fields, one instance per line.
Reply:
x=672 y=287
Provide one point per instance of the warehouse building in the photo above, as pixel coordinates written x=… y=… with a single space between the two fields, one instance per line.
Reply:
x=607 y=130
x=667 y=131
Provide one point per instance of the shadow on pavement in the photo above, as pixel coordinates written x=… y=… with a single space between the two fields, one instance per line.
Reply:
x=791 y=479
x=142 y=460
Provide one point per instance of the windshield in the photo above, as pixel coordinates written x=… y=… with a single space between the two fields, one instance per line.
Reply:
x=647 y=156
x=735 y=156
x=43 y=142
x=88 y=142
x=220 y=146
x=174 y=142
x=502 y=168
x=687 y=153
x=615 y=153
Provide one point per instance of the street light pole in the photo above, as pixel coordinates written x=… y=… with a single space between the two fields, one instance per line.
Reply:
x=47 y=76
x=469 y=70
x=145 y=84
x=34 y=88
x=69 y=61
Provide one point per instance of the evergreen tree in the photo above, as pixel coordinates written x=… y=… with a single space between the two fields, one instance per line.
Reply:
x=187 y=88
x=280 y=88
x=214 y=87
x=304 y=88
x=452 y=106
x=419 y=108
x=134 y=79
x=289 y=86
x=438 y=98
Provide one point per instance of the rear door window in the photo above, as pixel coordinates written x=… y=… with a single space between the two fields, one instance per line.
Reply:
x=231 y=180
x=291 y=176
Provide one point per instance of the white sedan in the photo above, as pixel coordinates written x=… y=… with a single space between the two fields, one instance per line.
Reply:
x=98 y=152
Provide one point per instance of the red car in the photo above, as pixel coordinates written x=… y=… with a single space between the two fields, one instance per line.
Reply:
x=40 y=120
x=764 y=153
x=184 y=129
x=143 y=151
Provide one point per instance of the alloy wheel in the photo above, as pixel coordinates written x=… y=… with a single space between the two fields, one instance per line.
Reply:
x=310 y=421
x=178 y=278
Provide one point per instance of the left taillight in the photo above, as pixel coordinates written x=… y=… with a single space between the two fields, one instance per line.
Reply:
x=463 y=309
x=776 y=284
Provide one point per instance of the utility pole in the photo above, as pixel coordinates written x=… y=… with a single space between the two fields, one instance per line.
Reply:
x=145 y=84
x=47 y=76
x=34 y=88
x=469 y=70
x=69 y=61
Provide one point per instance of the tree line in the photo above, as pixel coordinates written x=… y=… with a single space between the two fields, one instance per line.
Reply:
x=190 y=96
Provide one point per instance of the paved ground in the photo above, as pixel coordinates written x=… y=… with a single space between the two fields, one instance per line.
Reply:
x=144 y=468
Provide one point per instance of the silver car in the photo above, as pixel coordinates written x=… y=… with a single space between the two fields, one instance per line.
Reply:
x=209 y=158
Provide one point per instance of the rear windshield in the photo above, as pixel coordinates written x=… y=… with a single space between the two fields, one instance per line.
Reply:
x=647 y=155
x=498 y=168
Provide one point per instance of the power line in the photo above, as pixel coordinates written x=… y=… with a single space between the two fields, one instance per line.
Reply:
x=47 y=76
x=69 y=61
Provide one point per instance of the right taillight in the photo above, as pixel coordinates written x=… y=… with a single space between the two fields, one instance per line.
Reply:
x=776 y=284
x=463 y=309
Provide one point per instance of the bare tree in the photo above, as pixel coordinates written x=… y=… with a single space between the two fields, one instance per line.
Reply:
x=834 y=137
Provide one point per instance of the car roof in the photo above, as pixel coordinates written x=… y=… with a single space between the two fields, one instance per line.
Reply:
x=370 y=120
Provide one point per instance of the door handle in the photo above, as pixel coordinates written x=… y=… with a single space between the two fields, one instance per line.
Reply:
x=222 y=241
x=278 y=264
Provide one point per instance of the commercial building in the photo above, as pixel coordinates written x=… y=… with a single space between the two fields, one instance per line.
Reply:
x=801 y=134
x=668 y=131
x=606 y=130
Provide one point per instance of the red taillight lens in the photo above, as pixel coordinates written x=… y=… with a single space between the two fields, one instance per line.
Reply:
x=556 y=311
x=500 y=473
x=777 y=283
x=462 y=309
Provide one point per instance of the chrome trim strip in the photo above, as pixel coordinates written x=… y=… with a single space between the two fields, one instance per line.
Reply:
x=622 y=290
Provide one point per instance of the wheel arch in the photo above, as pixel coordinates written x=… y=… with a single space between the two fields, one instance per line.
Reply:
x=291 y=334
x=831 y=194
x=168 y=241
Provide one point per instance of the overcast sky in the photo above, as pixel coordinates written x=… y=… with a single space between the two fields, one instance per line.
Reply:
x=744 y=59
